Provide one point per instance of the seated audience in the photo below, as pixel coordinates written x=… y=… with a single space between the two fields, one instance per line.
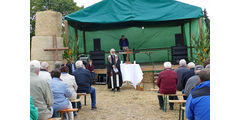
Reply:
x=208 y=66
x=69 y=80
x=167 y=81
x=193 y=81
x=44 y=74
x=186 y=76
x=84 y=81
x=180 y=70
x=90 y=67
x=57 y=66
x=33 y=110
x=198 y=102
x=206 y=62
x=40 y=91
x=61 y=93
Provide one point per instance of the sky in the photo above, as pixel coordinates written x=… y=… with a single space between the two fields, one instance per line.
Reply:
x=200 y=3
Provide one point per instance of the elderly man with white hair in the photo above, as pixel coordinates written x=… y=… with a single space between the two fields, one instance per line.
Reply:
x=187 y=75
x=180 y=70
x=41 y=93
x=167 y=82
x=84 y=81
x=114 y=76
x=44 y=74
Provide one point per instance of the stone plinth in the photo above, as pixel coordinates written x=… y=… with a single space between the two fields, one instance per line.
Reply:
x=39 y=43
x=48 y=23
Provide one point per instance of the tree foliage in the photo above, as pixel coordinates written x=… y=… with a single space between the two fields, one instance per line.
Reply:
x=201 y=43
x=63 y=6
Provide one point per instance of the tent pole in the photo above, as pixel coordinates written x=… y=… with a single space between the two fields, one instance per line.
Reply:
x=84 y=41
x=76 y=33
x=190 y=37
x=182 y=29
x=200 y=24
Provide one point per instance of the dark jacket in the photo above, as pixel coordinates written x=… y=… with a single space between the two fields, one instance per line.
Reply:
x=90 y=68
x=121 y=43
x=70 y=67
x=198 y=102
x=83 y=79
x=167 y=81
x=180 y=71
x=186 y=76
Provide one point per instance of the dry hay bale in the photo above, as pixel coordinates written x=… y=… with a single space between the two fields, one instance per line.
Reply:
x=147 y=77
x=48 y=23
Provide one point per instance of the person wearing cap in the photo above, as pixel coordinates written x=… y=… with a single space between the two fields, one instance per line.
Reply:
x=198 y=102
x=193 y=81
x=41 y=92
x=84 y=81
x=167 y=82
x=44 y=74
x=180 y=70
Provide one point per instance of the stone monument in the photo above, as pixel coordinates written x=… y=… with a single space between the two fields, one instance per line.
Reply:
x=47 y=42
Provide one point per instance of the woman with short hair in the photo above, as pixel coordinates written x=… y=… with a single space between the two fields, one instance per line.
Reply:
x=61 y=94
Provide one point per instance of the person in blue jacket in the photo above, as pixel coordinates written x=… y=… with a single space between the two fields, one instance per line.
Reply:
x=198 y=102
x=61 y=94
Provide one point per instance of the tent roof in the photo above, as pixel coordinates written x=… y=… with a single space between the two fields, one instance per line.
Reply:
x=119 y=11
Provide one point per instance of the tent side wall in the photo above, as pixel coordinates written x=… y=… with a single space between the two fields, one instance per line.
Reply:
x=148 y=38
x=194 y=32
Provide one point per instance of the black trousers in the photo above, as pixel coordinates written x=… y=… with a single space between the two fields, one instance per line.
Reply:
x=161 y=101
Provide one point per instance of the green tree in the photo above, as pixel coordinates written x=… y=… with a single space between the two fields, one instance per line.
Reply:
x=201 y=43
x=63 y=6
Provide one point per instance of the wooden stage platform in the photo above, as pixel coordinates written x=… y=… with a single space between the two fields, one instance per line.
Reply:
x=147 y=71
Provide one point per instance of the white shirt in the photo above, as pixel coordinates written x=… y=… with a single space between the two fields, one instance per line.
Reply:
x=71 y=82
x=45 y=75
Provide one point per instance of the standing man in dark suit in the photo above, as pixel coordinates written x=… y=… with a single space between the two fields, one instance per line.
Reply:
x=84 y=81
x=71 y=66
x=123 y=43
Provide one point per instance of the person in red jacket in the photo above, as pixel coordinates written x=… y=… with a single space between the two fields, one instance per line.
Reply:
x=167 y=82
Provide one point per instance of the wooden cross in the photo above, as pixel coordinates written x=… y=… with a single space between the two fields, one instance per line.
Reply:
x=128 y=62
x=55 y=49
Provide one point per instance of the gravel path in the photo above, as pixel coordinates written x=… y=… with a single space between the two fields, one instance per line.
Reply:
x=129 y=104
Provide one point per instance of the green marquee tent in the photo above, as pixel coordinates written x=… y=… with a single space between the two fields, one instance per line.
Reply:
x=149 y=25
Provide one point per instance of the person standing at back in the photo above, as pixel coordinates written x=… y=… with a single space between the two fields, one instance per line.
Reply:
x=123 y=43
x=180 y=70
x=72 y=66
x=41 y=93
